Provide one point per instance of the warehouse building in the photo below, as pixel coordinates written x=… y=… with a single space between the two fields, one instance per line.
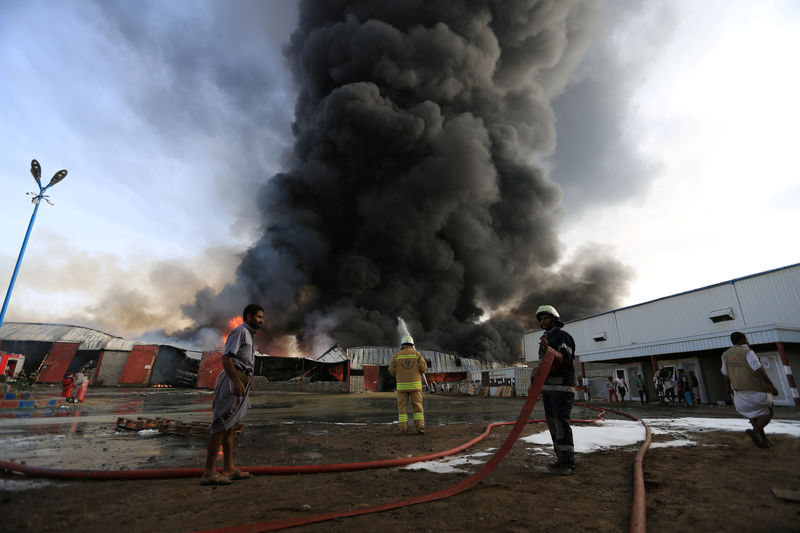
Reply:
x=55 y=350
x=690 y=330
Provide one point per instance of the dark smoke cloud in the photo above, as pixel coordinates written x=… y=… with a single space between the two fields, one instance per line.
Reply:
x=410 y=191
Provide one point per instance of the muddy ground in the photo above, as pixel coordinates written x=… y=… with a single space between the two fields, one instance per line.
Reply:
x=722 y=484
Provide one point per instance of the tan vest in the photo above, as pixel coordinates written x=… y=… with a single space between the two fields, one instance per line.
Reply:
x=407 y=367
x=741 y=375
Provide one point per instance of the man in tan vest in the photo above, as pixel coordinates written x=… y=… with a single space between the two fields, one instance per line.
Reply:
x=407 y=367
x=748 y=383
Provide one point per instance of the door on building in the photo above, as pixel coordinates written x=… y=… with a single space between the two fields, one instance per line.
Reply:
x=771 y=363
x=688 y=365
x=628 y=375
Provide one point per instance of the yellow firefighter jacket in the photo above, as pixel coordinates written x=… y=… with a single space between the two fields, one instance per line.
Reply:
x=407 y=367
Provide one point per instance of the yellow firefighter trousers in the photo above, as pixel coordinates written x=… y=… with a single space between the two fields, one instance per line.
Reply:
x=416 y=404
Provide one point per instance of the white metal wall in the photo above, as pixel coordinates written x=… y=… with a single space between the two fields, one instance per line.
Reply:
x=770 y=298
x=685 y=315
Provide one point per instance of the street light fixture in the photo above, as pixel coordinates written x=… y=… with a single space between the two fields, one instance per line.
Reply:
x=36 y=171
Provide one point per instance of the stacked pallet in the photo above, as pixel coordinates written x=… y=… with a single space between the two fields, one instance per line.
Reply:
x=166 y=426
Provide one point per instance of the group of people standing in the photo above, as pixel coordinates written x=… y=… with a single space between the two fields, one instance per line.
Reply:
x=616 y=386
x=678 y=388
x=682 y=390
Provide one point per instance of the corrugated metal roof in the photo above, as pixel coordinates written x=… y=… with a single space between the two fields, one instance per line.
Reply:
x=756 y=336
x=335 y=354
x=119 y=345
x=18 y=331
x=439 y=361
x=87 y=338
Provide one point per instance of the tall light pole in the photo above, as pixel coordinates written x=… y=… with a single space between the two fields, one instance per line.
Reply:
x=36 y=170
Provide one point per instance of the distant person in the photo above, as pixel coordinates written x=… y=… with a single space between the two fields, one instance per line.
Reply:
x=641 y=385
x=407 y=367
x=748 y=383
x=658 y=384
x=694 y=386
x=231 y=397
x=669 y=388
x=78 y=380
x=621 y=389
x=66 y=387
x=612 y=389
x=685 y=392
x=558 y=392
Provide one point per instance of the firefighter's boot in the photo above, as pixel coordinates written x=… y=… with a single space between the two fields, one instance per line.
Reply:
x=419 y=422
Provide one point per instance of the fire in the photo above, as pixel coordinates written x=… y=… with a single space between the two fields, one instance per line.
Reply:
x=233 y=323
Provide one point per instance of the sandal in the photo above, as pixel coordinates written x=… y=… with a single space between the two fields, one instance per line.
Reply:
x=216 y=480
x=756 y=438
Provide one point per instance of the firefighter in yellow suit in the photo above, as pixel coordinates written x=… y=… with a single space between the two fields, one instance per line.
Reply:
x=407 y=367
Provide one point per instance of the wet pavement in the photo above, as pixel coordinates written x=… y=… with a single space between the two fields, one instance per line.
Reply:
x=85 y=436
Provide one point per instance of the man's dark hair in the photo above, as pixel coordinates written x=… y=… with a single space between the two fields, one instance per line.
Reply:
x=251 y=309
x=737 y=337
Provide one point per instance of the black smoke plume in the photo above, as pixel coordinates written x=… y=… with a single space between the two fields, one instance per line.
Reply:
x=411 y=190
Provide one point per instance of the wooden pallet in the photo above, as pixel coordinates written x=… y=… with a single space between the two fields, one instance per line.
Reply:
x=167 y=426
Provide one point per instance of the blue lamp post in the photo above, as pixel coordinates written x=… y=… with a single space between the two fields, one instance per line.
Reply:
x=36 y=199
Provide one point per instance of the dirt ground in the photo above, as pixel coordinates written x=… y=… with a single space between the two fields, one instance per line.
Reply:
x=722 y=484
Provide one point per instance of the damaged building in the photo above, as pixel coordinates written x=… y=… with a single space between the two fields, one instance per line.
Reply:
x=55 y=350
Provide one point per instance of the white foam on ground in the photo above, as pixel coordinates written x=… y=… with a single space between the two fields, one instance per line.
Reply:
x=699 y=425
x=449 y=465
x=607 y=434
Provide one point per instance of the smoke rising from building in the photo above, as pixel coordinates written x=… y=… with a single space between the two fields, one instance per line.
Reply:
x=411 y=190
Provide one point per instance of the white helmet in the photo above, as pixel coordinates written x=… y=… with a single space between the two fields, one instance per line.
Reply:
x=407 y=340
x=549 y=309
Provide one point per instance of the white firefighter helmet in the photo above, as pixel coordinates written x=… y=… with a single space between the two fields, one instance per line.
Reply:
x=407 y=340
x=549 y=309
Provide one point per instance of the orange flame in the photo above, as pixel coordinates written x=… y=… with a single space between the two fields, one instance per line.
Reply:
x=233 y=323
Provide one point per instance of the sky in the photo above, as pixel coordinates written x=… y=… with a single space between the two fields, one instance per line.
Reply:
x=672 y=148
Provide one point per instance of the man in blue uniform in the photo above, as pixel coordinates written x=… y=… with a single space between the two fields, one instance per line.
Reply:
x=558 y=392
